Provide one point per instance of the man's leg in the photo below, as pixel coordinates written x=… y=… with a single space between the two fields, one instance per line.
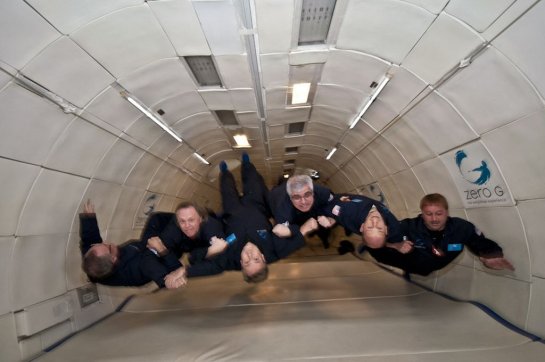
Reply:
x=255 y=190
x=228 y=189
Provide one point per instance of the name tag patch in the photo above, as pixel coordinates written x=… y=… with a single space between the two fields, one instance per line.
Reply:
x=454 y=247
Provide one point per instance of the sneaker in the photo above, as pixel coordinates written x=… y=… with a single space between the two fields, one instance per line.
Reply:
x=245 y=158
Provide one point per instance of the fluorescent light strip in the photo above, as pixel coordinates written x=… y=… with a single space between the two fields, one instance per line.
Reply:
x=373 y=96
x=333 y=150
x=300 y=93
x=201 y=158
x=154 y=118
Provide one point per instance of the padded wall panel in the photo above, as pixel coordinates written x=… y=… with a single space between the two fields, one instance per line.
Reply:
x=531 y=212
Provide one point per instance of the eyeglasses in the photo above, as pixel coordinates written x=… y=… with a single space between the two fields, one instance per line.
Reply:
x=306 y=195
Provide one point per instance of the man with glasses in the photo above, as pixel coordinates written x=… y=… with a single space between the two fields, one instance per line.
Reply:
x=297 y=201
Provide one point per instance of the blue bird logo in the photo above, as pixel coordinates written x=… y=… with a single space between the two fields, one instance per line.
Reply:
x=483 y=172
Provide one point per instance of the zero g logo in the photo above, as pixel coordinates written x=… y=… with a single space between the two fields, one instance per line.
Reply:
x=477 y=174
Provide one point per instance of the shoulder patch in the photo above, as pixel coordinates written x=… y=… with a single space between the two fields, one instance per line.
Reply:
x=336 y=210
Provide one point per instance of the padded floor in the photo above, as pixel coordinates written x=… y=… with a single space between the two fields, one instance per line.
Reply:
x=336 y=309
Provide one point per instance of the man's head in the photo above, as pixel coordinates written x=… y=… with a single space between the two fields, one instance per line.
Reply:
x=253 y=264
x=301 y=192
x=100 y=260
x=190 y=217
x=434 y=209
x=374 y=229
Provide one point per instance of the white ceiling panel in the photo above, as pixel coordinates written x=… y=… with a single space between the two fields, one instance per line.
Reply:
x=275 y=98
x=51 y=188
x=388 y=29
x=182 y=106
x=125 y=210
x=276 y=132
x=243 y=100
x=341 y=182
x=408 y=142
x=434 y=177
x=67 y=70
x=160 y=181
x=248 y=119
x=214 y=152
x=28 y=119
x=522 y=43
x=71 y=15
x=7 y=246
x=23 y=33
x=218 y=99
x=357 y=173
x=180 y=22
x=334 y=96
x=158 y=81
x=48 y=279
x=203 y=139
x=330 y=115
x=433 y=6
x=510 y=237
x=118 y=162
x=409 y=186
x=143 y=171
x=353 y=70
x=145 y=131
x=196 y=125
x=379 y=114
x=179 y=156
x=167 y=204
x=125 y=40
x=522 y=167
x=234 y=71
x=274 y=23
x=479 y=15
x=491 y=92
x=164 y=146
x=358 y=137
x=219 y=21
x=325 y=141
x=75 y=277
x=388 y=154
x=287 y=115
x=275 y=70
x=110 y=107
x=442 y=47
x=403 y=87
x=16 y=179
x=532 y=212
x=373 y=164
x=104 y=196
x=392 y=196
x=79 y=149
x=328 y=130
x=439 y=124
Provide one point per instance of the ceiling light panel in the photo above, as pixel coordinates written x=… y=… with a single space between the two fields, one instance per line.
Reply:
x=204 y=70
x=315 y=20
x=296 y=128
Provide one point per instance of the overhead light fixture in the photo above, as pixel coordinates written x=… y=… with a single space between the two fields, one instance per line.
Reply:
x=242 y=141
x=150 y=114
x=371 y=99
x=300 y=93
x=315 y=18
x=333 y=150
x=201 y=158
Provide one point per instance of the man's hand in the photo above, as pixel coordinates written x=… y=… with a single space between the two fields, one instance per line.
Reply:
x=176 y=279
x=497 y=263
x=88 y=207
x=404 y=247
x=217 y=246
x=326 y=222
x=281 y=230
x=309 y=226
x=155 y=243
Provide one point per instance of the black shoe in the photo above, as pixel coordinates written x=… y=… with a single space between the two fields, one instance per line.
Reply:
x=223 y=166
x=245 y=158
